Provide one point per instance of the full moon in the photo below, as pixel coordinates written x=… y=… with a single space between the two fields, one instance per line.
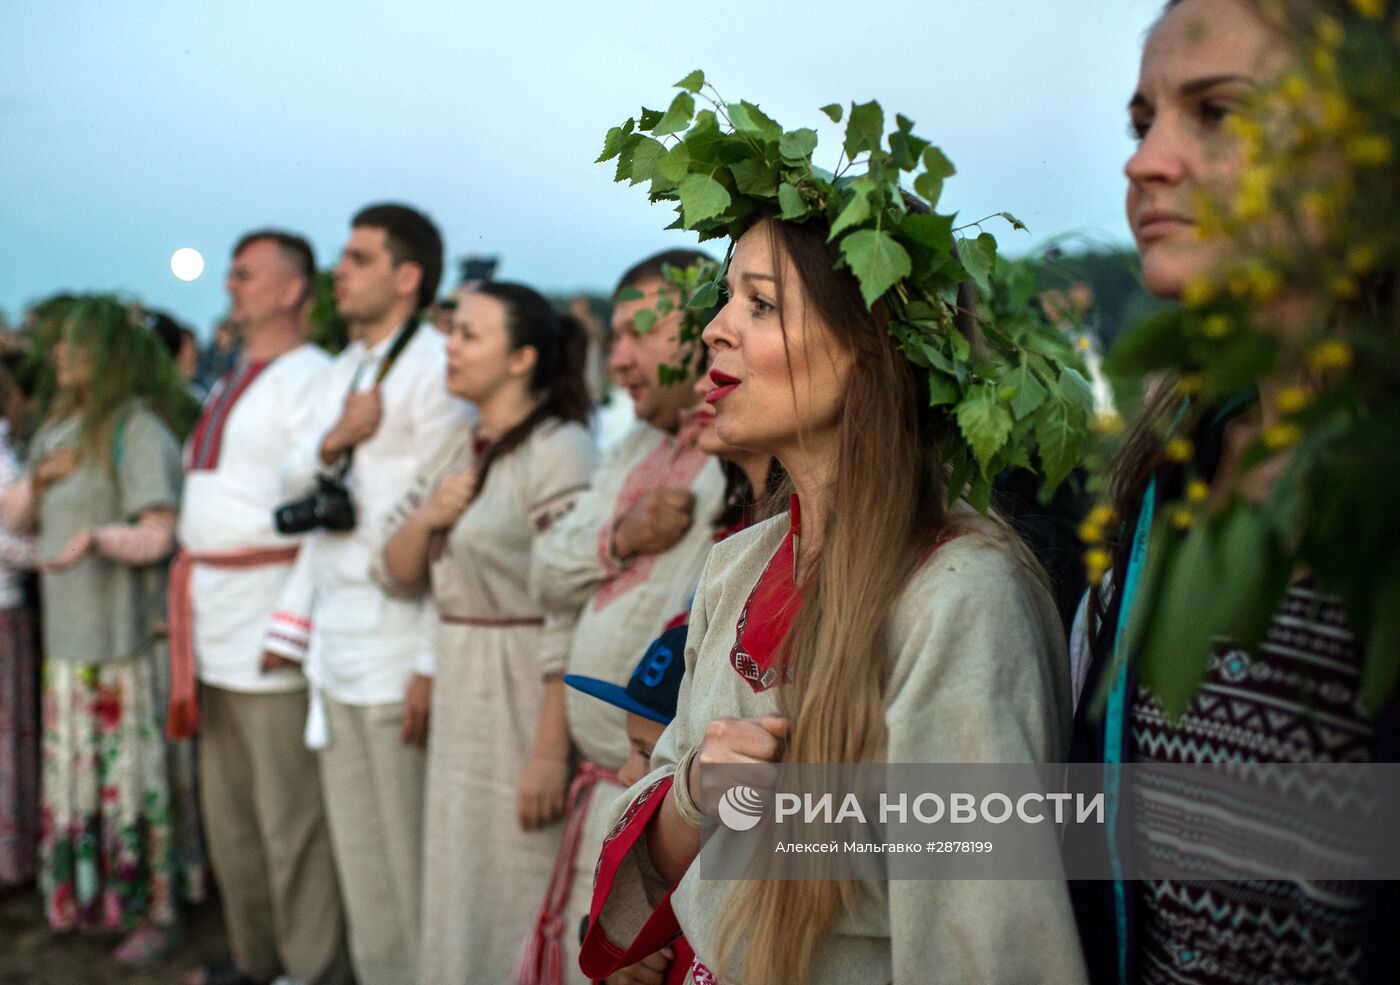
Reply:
x=186 y=263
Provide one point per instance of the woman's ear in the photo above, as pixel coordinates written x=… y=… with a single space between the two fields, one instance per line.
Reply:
x=522 y=361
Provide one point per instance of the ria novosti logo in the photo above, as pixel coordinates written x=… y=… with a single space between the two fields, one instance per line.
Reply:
x=741 y=808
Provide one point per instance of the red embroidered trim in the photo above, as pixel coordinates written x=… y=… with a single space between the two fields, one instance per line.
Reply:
x=768 y=613
x=599 y=957
x=673 y=462
x=208 y=437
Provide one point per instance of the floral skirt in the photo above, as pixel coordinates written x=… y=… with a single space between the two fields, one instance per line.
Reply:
x=19 y=747
x=119 y=842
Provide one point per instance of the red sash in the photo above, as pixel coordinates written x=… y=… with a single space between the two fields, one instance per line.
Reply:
x=182 y=721
x=542 y=957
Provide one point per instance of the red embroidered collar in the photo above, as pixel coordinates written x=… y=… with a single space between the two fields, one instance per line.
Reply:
x=768 y=612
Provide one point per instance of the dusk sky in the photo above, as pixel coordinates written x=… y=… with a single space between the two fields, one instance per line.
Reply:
x=133 y=129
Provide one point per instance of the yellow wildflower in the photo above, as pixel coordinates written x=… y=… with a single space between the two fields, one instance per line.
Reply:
x=1090 y=533
x=1182 y=518
x=1198 y=292
x=1096 y=563
x=1292 y=399
x=1333 y=354
x=1178 y=450
x=1255 y=194
x=1344 y=287
x=1102 y=515
x=1329 y=31
x=1372 y=9
x=1197 y=491
x=1108 y=424
x=1263 y=283
x=1216 y=326
x=1362 y=259
x=1318 y=205
x=1282 y=435
x=1294 y=89
x=1190 y=384
x=1324 y=63
x=1337 y=114
x=1368 y=150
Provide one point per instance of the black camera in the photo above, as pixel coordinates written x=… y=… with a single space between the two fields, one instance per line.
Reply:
x=329 y=507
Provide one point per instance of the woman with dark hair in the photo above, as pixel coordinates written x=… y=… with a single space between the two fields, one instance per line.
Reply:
x=1293 y=693
x=498 y=744
x=872 y=622
x=102 y=491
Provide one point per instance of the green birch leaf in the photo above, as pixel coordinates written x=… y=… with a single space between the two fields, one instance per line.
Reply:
x=979 y=495
x=677 y=118
x=1176 y=639
x=702 y=197
x=1076 y=390
x=644 y=157
x=877 y=261
x=747 y=117
x=612 y=145
x=693 y=82
x=707 y=296
x=798 y=145
x=937 y=164
x=929 y=188
x=1059 y=429
x=833 y=112
x=674 y=164
x=1015 y=222
x=855 y=212
x=1382 y=667
x=979 y=257
x=942 y=390
x=1027 y=393
x=754 y=177
x=644 y=320
x=865 y=128
x=985 y=423
x=1253 y=572
x=649 y=118
x=628 y=294
x=905 y=150
x=792 y=202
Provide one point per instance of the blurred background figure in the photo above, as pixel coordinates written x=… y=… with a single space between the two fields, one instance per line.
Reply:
x=116 y=851
x=19 y=663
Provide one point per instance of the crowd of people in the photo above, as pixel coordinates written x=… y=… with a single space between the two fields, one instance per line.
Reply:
x=426 y=678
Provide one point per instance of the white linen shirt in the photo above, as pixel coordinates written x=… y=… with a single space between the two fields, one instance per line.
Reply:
x=362 y=645
x=229 y=508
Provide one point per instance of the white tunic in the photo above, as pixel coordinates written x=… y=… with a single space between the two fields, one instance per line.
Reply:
x=229 y=508
x=360 y=644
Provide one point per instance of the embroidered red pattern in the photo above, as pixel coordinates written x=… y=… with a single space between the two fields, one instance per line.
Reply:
x=701 y=975
x=767 y=614
x=628 y=816
x=674 y=462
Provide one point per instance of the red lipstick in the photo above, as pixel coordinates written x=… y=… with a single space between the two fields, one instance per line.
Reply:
x=724 y=384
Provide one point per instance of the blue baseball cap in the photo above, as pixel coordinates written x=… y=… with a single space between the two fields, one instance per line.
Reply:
x=655 y=684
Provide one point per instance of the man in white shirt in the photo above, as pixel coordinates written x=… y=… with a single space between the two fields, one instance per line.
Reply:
x=260 y=790
x=386 y=410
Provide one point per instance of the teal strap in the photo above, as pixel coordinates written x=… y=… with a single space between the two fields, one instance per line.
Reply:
x=1116 y=716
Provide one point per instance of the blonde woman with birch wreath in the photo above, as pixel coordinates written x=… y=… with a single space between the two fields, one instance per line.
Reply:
x=872 y=622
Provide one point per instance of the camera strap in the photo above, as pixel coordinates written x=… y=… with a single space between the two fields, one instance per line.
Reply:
x=396 y=349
